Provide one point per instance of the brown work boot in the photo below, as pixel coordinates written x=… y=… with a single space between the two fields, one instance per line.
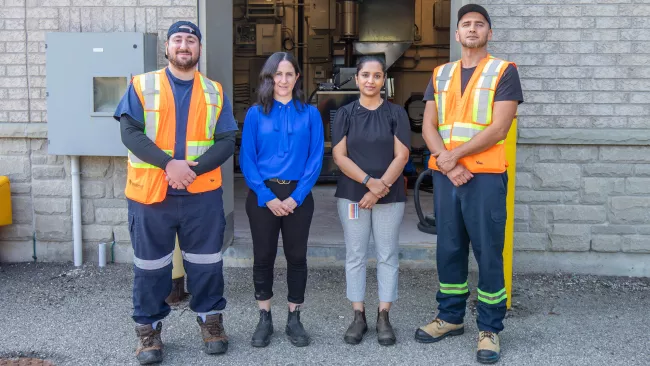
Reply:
x=437 y=330
x=150 y=347
x=488 y=347
x=385 y=333
x=214 y=336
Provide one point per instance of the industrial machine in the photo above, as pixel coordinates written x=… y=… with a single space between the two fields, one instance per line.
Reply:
x=327 y=37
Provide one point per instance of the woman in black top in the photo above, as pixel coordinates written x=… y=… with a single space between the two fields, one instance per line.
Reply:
x=371 y=139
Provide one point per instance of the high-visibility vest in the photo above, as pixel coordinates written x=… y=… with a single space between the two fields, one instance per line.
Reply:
x=146 y=183
x=463 y=116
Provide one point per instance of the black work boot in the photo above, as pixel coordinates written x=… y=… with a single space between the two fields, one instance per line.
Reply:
x=295 y=331
x=214 y=336
x=150 y=347
x=264 y=330
x=357 y=328
x=385 y=333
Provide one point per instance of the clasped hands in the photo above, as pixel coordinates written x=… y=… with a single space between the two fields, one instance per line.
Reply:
x=377 y=189
x=179 y=174
x=282 y=208
x=447 y=162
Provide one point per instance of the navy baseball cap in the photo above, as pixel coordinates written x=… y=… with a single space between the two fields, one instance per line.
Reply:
x=184 y=26
x=473 y=8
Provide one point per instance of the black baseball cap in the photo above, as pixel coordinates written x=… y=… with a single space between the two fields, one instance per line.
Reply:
x=184 y=26
x=473 y=8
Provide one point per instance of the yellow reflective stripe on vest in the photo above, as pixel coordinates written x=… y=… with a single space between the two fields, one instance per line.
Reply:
x=464 y=132
x=135 y=162
x=445 y=133
x=484 y=93
x=213 y=100
x=150 y=87
x=442 y=82
x=197 y=148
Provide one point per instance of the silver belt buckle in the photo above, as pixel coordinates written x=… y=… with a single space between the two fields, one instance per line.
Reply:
x=283 y=182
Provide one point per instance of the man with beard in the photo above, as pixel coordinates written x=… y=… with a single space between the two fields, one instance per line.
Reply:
x=465 y=125
x=179 y=129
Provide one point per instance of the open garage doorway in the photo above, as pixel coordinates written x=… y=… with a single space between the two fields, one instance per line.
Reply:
x=327 y=37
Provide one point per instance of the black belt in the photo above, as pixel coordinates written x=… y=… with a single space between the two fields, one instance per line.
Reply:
x=280 y=181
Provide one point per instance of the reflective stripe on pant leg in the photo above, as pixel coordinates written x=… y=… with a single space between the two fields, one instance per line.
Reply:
x=152 y=264
x=152 y=231
x=202 y=258
x=492 y=298
x=454 y=289
x=452 y=252
x=200 y=237
x=484 y=211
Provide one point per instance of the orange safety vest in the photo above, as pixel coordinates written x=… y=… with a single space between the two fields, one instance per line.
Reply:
x=146 y=183
x=461 y=117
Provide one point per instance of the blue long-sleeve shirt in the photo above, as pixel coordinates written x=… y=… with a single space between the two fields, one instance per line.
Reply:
x=285 y=144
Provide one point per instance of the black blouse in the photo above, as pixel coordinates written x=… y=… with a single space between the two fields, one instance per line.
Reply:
x=371 y=145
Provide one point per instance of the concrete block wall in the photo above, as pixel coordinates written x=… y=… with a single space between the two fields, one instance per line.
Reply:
x=583 y=154
x=583 y=159
x=41 y=183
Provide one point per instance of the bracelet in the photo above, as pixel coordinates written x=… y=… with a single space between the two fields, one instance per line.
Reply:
x=366 y=179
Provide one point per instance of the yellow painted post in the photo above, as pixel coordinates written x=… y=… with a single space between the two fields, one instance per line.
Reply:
x=511 y=156
x=178 y=271
x=5 y=201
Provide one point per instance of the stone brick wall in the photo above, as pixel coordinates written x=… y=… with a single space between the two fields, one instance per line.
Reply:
x=583 y=181
x=41 y=187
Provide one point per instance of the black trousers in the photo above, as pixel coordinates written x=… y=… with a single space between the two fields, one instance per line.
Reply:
x=265 y=229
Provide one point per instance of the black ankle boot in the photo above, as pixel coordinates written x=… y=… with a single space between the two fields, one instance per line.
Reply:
x=357 y=329
x=295 y=331
x=264 y=330
x=385 y=333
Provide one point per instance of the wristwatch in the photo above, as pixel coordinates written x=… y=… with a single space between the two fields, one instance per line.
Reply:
x=366 y=179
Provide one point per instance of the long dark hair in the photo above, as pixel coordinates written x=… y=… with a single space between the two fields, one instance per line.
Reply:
x=266 y=82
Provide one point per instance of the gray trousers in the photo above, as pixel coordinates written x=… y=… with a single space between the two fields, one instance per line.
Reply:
x=383 y=221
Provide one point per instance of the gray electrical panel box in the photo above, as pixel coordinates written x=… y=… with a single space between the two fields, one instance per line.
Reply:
x=87 y=75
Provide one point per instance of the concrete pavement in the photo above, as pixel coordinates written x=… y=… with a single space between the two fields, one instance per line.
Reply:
x=81 y=317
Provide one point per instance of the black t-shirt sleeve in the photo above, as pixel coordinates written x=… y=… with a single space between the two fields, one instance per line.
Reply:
x=428 y=93
x=401 y=126
x=340 y=126
x=509 y=87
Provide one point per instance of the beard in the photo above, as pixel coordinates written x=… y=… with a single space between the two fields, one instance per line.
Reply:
x=474 y=43
x=183 y=64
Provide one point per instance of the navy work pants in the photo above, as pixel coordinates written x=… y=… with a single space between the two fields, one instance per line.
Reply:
x=199 y=222
x=474 y=212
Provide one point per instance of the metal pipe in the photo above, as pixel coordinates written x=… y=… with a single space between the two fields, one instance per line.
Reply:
x=301 y=34
x=76 y=210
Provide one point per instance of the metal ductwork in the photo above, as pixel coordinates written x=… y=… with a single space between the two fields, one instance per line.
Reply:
x=385 y=28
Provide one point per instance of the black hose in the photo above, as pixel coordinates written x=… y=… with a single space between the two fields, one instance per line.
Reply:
x=416 y=193
x=311 y=96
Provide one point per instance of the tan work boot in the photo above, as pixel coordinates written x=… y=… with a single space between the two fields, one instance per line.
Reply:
x=150 y=346
x=488 y=347
x=437 y=330
x=214 y=336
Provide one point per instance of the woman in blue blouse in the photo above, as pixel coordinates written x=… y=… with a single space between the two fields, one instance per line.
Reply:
x=281 y=157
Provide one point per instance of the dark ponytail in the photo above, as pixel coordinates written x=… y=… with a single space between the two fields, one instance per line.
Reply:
x=371 y=58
